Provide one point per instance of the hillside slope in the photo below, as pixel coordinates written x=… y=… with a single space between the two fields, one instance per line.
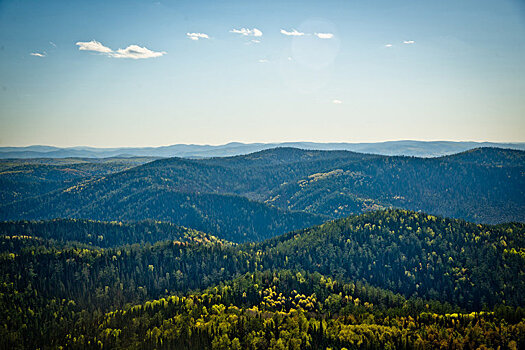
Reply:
x=24 y=178
x=96 y=234
x=287 y=310
x=391 y=277
x=230 y=217
x=483 y=185
x=414 y=254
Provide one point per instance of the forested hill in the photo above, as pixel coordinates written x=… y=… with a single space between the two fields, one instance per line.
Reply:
x=229 y=217
x=293 y=310
x=415 y=254
x=96 y=234
x=394 y=263
x=23 y=178
x=489 y=157
x=482 y=185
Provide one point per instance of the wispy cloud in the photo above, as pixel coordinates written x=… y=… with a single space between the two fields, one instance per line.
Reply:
x=409 y=42
x=132 y=51
x=294 y=32
x=247 y=32
x=136 y=52
x=197 y=36
x=93 y=45
x=389 y=45
x=337 y=102
x=263 y=61
x=53 y=44
x=255 y=41
x=38 y=54
x=324 y=35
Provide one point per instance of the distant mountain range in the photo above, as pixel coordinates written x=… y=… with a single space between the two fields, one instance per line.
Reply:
x=389 y=148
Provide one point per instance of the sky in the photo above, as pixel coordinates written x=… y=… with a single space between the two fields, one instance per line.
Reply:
x=150 y=73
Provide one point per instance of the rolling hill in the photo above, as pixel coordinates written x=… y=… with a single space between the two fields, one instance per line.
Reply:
x=97 y=234
x=414 y=254
x=482 y=185
x=251 y=197
x=23 y=178
x=359 y=280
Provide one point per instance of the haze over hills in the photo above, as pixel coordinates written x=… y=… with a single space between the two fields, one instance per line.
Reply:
x=406 y=148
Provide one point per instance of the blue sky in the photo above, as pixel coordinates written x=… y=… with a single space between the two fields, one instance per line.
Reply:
x=126 y=73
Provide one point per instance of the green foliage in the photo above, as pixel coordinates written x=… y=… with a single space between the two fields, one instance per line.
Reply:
x=373 y=280
x=410 y=253
x=286 y=310
x=386 y=279
x=24 y=178
x=482 y=185
x=93 y=233
x=414 y=254
x=223 y=196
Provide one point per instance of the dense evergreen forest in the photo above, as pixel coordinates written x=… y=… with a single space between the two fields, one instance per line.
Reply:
x=214 y=195
x=95 y=234
x=383 y=279
x=279 y=249
x=23 y=178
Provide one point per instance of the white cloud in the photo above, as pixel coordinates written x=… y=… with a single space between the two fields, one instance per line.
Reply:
x=247 y=32
x=136 y=52
x=38 y=54
x=52 y=44
x=389 y=45
x=337 y=102
x=294 y=32
x=93 y=45
x=290 y=58
x=263 y=61
x=409 y=42
x=197 y=36
x=255 y=41
x=324 y=35
x=132 y=51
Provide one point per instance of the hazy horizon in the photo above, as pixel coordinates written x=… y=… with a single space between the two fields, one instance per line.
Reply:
x=256 y=142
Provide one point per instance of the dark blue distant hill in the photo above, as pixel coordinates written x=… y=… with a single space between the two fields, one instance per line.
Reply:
x=262 y=194
x=391 y=148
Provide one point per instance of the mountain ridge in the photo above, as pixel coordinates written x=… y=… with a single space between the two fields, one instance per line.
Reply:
x=288 y=185
x=402 y=147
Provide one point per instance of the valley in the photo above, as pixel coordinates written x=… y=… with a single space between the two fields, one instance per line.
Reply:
x=283 y=248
